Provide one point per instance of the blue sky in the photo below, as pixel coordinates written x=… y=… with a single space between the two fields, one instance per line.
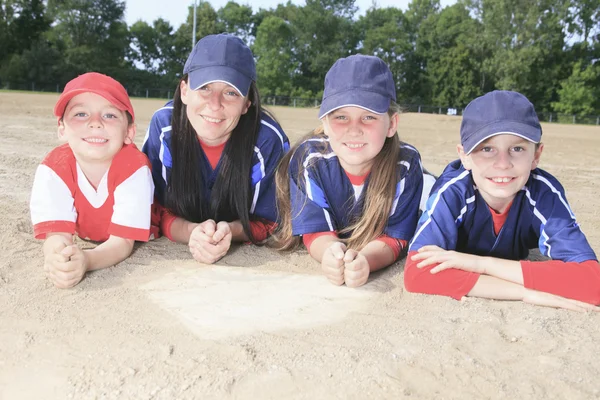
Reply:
x=175 y=11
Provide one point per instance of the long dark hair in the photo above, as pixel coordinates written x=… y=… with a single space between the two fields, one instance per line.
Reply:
x=231 y=194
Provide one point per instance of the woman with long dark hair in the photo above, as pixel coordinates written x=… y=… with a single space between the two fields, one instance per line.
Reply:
x=214 y=151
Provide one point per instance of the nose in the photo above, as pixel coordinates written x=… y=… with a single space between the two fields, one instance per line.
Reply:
x=95 y=121
x=503 y=160
x=215 y=102
x=354 y=128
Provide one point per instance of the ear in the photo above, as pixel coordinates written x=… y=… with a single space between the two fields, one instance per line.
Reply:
x=246 y=107
x=130 y=135
x=61 y=131
x=537 y=155
x=393 y=125
x=465 y=159
x=184 y=89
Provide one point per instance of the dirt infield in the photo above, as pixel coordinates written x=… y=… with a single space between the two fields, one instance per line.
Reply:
x=162 y=326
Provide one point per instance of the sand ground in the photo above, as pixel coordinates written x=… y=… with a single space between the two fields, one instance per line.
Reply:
x=162 y=326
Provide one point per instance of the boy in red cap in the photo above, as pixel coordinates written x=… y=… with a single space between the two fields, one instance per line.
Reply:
x=96 y=185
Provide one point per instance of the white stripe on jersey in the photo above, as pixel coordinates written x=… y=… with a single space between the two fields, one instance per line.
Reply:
x=133 y=199
x=148 y=130
x=96 y=197
x=307 y=180
x=437 y=199
x=397 y=198
x=554 y=190
x=262 y=121
x=542 y=219
x=464 y=209
x=162 y=151
x=51 y=199
x=257 y=186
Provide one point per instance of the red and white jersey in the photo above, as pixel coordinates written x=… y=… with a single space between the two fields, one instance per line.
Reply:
x=63 y=200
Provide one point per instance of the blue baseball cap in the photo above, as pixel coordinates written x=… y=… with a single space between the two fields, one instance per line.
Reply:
x=221 y=58
x=497 y=113
x=358 y=81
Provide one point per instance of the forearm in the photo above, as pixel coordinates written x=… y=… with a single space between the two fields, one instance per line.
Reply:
x=507 y=270
x=378 y=254
x=320 y=244
x=490 y=287
x=237 y=231
x=180 y=230
x=109 y=253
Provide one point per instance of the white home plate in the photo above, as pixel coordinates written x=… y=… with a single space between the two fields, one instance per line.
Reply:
x=217 y=302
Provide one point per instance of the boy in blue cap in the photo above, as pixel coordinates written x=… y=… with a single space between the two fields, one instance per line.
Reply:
x=490 y=207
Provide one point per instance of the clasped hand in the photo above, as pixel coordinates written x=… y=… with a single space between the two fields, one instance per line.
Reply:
x=210 y=241
x=341 y=265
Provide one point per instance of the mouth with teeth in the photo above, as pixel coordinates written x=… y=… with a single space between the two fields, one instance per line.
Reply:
x=211 y=120
x=355 y=146
x=501 y=179
x=95 y=140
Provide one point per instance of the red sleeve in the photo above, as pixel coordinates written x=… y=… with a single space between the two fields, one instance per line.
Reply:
x=451 y=282
x=579 y=281
x=393 y=243
x=42 y=229
x=308 y=238
x=162 y=218
x=261 y=229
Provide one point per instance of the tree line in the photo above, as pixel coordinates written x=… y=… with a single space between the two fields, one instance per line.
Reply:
x=546 y=49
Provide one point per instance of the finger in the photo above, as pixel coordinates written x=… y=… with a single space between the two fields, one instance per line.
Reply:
x=434 y=259
x=68 y=252
x=337 y=251
x=441 y=267
x=429 y=247
x=335 y=279
x=350 y=255
x=354 y=275
x=356 y=265
x=354 y=283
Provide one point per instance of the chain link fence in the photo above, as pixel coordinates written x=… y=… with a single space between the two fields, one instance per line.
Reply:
x=286 y=101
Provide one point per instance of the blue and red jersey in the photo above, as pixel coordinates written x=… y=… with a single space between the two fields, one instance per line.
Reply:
x=458 y=218
x=324 y=199
x=271 y=145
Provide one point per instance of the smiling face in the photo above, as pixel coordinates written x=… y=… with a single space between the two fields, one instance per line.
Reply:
x=94 y=128
x=214 y=110
x=357 y=136
x=500 y=167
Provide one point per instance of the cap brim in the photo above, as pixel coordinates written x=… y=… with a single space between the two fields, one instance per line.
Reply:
x=525 y=131
x=370 y=101
x=219 y=73
x=63 y=100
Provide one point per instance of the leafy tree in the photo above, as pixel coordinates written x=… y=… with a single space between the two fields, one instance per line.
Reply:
x=237 y=20
x=448 y=41
x=577 y=94
x=91 y=35
x=275 y=66
x=384 y=33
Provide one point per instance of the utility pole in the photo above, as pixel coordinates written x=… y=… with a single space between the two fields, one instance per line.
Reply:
x=194 y=29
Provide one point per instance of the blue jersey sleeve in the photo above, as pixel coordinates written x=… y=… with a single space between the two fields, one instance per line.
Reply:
x=271 y=146
x=310 y=210
x=405 y=208
x=156 y=148
x=560 y=236
x=443 y=215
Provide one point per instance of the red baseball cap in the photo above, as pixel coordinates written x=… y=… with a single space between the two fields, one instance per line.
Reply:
x=99 y=84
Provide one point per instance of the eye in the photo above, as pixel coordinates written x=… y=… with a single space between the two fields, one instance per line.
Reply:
x=518 y=149
x=80 y=114
x=110 y=116
x=486 y=149
x=232 y=93
x=370 y=118
x=339 y=117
